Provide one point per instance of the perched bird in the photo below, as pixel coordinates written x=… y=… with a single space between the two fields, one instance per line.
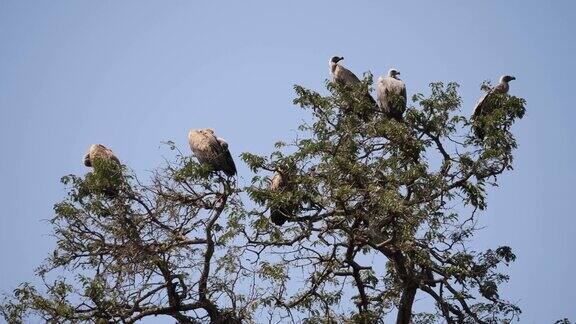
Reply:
x=282 y=181
x=485 y=104
x=345 y=77
x=99 y=151
x=211 y=150
x=391 y=92
x=110 y=177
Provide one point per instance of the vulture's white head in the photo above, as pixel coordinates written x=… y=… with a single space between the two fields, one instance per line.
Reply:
x=393 y=73
x=506 y=78
x=336 y=59
x=207 y=131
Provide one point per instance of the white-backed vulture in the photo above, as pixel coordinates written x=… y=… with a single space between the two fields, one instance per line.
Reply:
x=281 y=181
x=344 y=76
x=100 y=151
x=391 y=92
x=110 y=178
x=211 y=150
x=485 y=105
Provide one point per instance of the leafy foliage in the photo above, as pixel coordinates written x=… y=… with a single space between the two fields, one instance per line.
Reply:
x=382 y=209
x=375 y=188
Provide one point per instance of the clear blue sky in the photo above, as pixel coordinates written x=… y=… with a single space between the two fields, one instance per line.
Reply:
x=131 y=74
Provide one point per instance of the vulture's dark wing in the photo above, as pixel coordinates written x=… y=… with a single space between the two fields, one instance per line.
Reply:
x=403 y=94
x=401 y=100
x=225 y=159
x=113 y=157
x=481 y=106
x=345 y=76
x=479 y=110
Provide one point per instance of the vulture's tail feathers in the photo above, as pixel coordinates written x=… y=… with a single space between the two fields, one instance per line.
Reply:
x=278 y=217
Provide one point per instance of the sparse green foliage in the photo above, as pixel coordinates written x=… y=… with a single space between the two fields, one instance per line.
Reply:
x=138 y=252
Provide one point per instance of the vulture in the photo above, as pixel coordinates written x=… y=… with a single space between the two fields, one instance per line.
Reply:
x=391 y=93
x=100 y=151
x=111 y=181
x=281 y=180
x=345 y=77
x=484 y=106
x=211 y=150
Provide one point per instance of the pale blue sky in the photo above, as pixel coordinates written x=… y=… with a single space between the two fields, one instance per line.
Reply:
x=131 y=74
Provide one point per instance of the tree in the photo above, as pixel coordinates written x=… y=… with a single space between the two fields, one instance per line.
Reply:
x=384 y=206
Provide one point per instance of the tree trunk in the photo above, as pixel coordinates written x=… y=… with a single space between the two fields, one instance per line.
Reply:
x=405 y=307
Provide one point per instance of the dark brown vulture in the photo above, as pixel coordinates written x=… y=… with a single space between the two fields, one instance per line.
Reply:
x=485 y=105
x=211 y=150
x=345 y=77
x=391 y=93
